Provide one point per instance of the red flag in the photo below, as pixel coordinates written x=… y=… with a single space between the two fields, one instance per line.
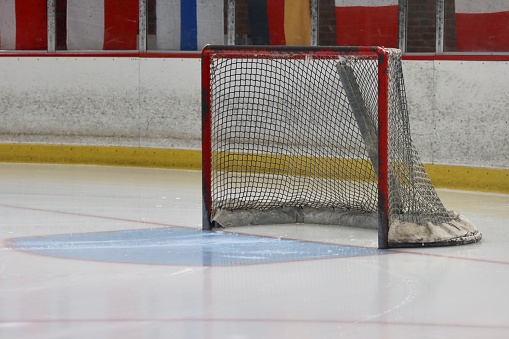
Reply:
x=367 y=23
x=482 y=26
x=102 y=24
x=23 y=25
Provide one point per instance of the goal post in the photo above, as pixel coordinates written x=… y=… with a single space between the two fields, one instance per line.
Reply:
x=317 y=135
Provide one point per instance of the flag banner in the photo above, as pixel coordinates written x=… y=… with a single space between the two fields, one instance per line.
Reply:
x=102 y=24
x=23 y=25
x=367 y=23
x=482 y=25
x=279 y=22
x=189 y=25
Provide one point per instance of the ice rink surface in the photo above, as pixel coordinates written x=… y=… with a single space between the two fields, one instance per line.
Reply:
x=115 y=252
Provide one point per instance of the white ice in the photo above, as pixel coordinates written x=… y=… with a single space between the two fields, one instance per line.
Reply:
x=449 y=292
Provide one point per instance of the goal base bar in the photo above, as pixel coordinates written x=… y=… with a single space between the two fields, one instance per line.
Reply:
x=403 y=233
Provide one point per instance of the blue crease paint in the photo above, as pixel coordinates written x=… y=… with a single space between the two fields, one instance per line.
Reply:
x=181 y=246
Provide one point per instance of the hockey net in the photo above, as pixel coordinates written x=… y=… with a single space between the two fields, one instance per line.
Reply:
x=317 y=136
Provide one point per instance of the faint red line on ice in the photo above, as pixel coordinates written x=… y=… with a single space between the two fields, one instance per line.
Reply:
x=95 y=216
x=261 y=320
x=453 y=257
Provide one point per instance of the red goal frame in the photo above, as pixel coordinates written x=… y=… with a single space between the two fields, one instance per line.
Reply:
x=210 y=52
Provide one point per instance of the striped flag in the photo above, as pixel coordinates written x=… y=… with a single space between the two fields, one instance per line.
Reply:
x=102 y=24
x=367 y=23
x=23 y=25
x=189 y=25
x=280 y=22
x=482 y=25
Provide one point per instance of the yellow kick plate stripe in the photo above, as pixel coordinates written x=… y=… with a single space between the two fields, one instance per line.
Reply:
x=452 y=177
